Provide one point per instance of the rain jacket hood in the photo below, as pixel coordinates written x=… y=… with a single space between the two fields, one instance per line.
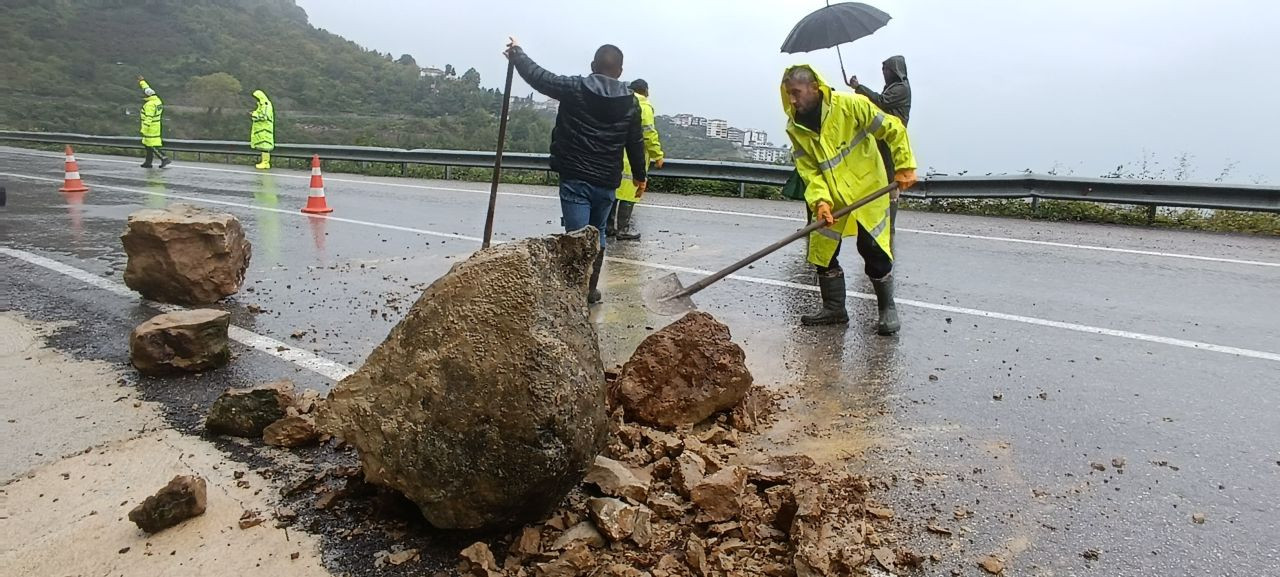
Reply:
x=898 y=66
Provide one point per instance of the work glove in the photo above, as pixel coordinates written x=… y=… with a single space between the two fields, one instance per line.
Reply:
x=823 y=211
x=906 y=178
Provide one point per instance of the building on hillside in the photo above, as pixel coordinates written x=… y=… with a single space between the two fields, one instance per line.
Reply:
x=683 y=120
x=770 y=154
x=753 y=137
x=736 y=135
x=698 y=121
x=432 y=72
x=717 y=128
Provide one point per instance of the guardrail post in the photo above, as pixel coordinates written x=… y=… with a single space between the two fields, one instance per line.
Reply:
x=448 y=172
x=1151 y=215
x=742 y=190
x=404 y=169
x=546 y=177
x=1035 y=206
x=226 y=159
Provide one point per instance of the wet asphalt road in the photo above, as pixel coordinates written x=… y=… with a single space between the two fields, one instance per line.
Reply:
x=1027 y=354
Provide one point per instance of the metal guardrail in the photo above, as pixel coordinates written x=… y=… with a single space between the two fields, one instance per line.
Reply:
x=1150 y=193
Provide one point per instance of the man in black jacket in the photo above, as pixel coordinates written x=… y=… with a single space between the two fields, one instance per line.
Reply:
x=598 y=119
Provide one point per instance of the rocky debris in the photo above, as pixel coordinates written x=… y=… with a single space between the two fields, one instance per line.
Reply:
x=485 y=407
x=991 y=564
x=183 y=498
x=1118 y=462
x=250 y=519
x=719 y=497
x=181 y=342
x=248 y=412
x=291 y=431
x=684 y=373
x=615 y=479
x=1091 y=554
x=583 y=532
x=690 y=468
x=1198 y=518
x=614 y=518
x=478 y=561
x=185 y=255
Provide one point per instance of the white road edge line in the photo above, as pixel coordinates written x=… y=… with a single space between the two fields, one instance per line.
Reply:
x=1117 y=250
x=310 y=361
x=1197 y=345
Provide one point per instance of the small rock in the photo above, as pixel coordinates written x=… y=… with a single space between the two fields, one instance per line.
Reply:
x=183 y=498
x=246 y=413
x=181 y=342
x=885 y=557
x=294 y=556
x=667 y=506
x=615 y=479
x=615 y=519
x=583 y=532
x=695 y=554
x=689 y=471
x=642 y=535
x=991 y=564
x=292 y=431
x=1097 y=466
x=308 y=401
x=1198 y=518
x=529 y=543
x=933 y=377
x=478 y=561
x=719 y=496
x=250 y=519
x=402 y=557
x=1091 y=554
x=939 y=530
x=123 y=550
x=1118 y=462
x=880 y=512
x=571 y=563
x=998 y=396
x=1043 y=396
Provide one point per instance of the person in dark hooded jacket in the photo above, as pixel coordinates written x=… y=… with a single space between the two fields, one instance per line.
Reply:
x=895 y=100
x=598 y=119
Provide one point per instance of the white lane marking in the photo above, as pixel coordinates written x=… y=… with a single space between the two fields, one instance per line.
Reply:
x=1138 y=252
x=1264 y=355
x=310 y=361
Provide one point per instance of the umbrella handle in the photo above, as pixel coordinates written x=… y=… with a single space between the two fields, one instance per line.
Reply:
x=844 y=76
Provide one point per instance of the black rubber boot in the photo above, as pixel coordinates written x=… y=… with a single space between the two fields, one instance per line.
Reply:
x=593 y=293
x=833 y=297
x=611 y=225
x=146 y=163
x=165 y=161
x=625 y=230
x=888 y=324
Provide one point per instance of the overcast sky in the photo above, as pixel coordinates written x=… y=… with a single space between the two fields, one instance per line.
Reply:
x=999 y=85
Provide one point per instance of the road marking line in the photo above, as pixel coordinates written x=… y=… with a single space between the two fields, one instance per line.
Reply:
x=310 y=361
x=1264 y=355
x=1117 y=250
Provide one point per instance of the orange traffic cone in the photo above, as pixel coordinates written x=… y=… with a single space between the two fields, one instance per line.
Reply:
x=315 y=202
x=72 y=182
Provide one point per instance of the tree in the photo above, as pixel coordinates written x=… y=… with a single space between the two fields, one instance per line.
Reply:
x=215 y=91
x=471 y=76
x=407 y=60
x=450 y=71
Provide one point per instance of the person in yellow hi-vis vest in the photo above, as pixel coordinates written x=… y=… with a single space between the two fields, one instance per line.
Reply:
x=833 y=137
x=151 y=115
x=262 y=137
x=620 y=223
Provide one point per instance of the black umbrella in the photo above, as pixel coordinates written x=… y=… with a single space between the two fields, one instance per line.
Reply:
x=834 y=25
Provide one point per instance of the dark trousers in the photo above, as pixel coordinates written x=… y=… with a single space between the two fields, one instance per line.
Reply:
x=152 y=152
x=876 y=262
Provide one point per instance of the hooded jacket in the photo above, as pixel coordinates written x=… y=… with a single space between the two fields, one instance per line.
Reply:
x=151 y=115
x=896 y=98
x=599 y=119
x=263 y=135
x=839 y=164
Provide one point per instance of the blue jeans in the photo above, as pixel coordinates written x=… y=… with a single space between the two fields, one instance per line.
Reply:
x=583 y=204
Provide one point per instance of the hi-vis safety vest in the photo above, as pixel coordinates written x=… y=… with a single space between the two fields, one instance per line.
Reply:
x=841 y=165
x=263 y=136
x=652 y=149
x=151 y=114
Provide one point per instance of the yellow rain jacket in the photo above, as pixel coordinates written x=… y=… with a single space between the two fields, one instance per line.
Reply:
x=841 y=164
x=652 y=149
x=263 y=137
x=151 y=114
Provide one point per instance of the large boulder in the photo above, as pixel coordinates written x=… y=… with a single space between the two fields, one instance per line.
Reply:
x=684 y=373
x=178 y=342
x=183 y=498
x=185 y=255
x=486 y=404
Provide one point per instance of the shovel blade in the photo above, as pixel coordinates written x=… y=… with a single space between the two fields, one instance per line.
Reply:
x=659 y=296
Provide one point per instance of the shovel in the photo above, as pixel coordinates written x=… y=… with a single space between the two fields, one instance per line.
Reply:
x=668 y=297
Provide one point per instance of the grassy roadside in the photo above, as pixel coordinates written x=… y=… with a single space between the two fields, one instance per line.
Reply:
x=1049 y=210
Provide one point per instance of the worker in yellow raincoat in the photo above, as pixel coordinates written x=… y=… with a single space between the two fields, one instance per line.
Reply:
x=833 y=137
x=620 y=221
x=262 y=137
x=151 y=115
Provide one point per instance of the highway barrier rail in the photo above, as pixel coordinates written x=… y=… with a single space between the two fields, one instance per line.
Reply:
x=1149 y=193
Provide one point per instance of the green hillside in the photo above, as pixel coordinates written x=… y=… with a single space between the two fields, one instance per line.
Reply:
x=72 y=65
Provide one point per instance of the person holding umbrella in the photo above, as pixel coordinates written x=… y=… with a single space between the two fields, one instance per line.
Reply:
x=833 y=137
x=895 y=100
